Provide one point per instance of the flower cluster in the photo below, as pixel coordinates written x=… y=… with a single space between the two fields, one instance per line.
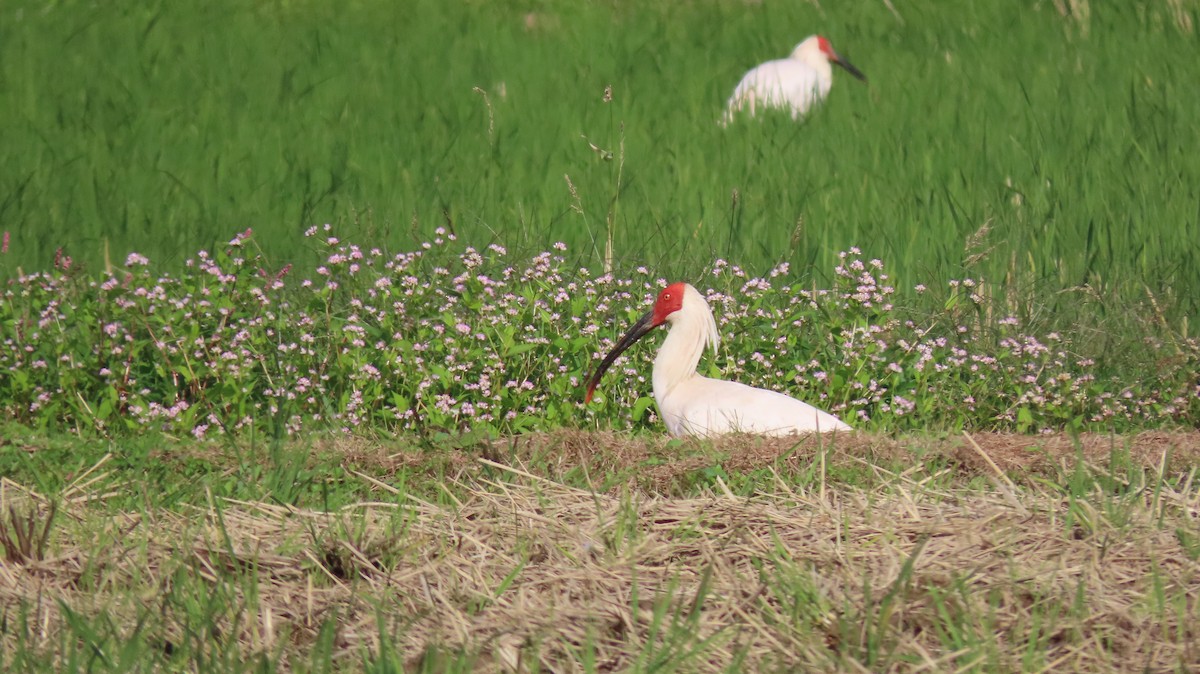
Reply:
x=448 y=338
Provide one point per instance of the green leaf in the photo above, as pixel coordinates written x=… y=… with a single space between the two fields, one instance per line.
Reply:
x=518 y=349
x=1024 y=419
x=640 y=406
x=104 y=409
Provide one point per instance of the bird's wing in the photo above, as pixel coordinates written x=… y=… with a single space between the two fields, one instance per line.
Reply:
x=785 y=83
x=706 y=407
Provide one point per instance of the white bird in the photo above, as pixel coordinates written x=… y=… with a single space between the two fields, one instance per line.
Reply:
x=694 y=405
x=793 y=84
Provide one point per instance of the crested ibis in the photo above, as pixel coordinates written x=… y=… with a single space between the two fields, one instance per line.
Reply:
x=691 y=404
x=793 y=84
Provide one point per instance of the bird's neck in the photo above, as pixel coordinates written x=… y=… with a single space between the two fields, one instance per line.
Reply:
x=681 y=350
x=824 y=75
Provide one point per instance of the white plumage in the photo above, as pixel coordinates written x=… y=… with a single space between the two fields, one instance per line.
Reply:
x=793 y=84
x=691 y=404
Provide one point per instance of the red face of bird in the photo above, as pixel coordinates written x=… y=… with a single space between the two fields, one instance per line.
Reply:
x=669 y=301
x=834 y=57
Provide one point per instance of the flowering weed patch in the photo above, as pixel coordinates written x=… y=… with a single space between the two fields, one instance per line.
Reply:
x=448 y=339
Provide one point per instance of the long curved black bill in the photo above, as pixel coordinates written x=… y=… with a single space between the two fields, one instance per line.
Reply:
x=849 y=67
x=644 y=325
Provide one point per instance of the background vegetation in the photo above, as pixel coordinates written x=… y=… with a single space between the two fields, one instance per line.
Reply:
x=1066 y=128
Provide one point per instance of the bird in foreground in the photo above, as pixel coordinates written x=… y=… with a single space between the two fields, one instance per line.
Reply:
x=793 y=84
x=691 y=404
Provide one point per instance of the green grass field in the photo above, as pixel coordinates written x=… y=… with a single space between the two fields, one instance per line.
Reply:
x=165 y=127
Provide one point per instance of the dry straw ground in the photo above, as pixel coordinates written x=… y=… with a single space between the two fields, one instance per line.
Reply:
x=925 y=569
